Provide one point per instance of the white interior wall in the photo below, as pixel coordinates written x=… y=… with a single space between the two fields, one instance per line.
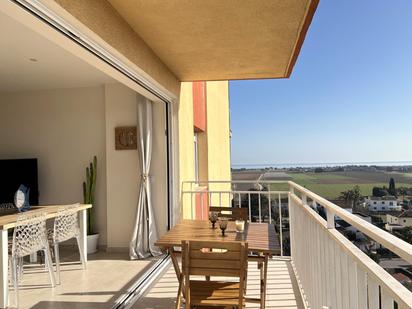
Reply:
x=64 y=128
x=123 y=167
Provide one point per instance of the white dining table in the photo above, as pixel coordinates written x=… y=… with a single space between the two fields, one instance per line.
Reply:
x=9 y=221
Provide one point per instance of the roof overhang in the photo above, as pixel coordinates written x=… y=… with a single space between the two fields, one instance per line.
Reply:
x=222 y=40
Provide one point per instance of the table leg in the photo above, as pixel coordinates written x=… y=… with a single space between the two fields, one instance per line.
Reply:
x=33 y=258
x=83 y=234
x=263 y=281
x=178 y=272
x=4 y=260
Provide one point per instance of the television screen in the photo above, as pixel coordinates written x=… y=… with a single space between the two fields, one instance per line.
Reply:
x=14 y=173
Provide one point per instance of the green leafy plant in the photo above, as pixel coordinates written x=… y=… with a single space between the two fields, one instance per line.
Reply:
x=89 y=187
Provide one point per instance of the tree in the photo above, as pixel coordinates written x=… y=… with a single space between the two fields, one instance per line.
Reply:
x=379 y=192
x=402 y=191
x=392 y=189
x=404 y=234
x=351 y=196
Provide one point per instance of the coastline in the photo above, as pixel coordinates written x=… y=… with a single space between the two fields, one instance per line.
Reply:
x=314 y=165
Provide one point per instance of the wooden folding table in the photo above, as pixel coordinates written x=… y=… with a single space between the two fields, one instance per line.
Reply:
x=261 y=237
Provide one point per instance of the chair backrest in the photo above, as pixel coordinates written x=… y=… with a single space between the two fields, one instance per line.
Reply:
x=200 y=258
x=7 y=206
x=232 y=213
x=66 y=224
x=29 y=235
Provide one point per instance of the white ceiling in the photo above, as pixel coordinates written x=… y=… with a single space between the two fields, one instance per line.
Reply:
x=54 y=68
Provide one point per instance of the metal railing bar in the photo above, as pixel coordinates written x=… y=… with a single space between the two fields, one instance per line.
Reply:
x=280 y=226
x=237 y=181
x=270 y=208
x=250 y=208
x=239 y=191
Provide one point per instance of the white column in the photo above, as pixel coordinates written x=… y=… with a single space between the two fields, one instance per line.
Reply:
x=83 y=233
x=330 y=216
x=4 y=282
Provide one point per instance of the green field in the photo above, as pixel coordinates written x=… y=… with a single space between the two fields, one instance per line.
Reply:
x=331 y=184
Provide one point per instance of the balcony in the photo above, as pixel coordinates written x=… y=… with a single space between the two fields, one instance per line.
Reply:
x=318 y=266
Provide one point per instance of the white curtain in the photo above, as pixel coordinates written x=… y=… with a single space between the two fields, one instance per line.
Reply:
x=145 y=231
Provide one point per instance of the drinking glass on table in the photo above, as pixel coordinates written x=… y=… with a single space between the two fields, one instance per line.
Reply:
x=240 y=226
x=213 y=216
x=223 y=225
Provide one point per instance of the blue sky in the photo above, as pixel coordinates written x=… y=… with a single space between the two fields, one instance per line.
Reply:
x=349 y=98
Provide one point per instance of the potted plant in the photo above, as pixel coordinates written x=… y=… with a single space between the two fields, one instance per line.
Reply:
x=89 y=187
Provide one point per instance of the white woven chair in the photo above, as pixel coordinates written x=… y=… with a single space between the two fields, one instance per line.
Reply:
x=29 y=237
x=66 y=226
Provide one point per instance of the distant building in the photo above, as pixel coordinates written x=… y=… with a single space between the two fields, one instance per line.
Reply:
x=344 y=226
x=396 y=222
x=386 y=203
x=402 y=278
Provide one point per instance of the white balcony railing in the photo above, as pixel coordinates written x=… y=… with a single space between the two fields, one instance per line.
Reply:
x=332 y=272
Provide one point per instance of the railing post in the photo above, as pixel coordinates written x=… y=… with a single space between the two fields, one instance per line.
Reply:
x=291 y=189
x=191 y=204
x=304 y=199
x=281 y=226
x=291 y=222
x=270 y=208
x=314 y=205
x=250 y=208
x=260 y=210
x=201 y=205
x=330 y=219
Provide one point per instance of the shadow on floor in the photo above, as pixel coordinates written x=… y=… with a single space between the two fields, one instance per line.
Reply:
x=108 y=277
x=282 y=290
x=70 y=305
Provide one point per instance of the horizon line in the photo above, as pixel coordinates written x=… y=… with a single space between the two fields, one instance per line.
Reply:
x=326 y=163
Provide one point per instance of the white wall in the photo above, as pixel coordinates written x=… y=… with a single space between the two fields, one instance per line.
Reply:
x=63 y=129
x=382 y=205
x=123 y=167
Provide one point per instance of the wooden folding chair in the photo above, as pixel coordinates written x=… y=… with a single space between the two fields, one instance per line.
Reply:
x=232 y=213
x=199 y=259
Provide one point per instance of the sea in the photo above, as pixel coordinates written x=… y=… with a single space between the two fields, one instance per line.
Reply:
x=314 y=165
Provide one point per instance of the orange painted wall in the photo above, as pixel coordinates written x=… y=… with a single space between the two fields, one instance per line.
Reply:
x=202 y=205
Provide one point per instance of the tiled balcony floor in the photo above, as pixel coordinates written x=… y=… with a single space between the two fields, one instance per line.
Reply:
x=107 y=277
x=282 y=292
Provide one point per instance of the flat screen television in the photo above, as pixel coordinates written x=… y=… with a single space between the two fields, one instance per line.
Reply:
x=15 y=172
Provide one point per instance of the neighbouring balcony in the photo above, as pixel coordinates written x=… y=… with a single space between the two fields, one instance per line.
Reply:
x=319 y=267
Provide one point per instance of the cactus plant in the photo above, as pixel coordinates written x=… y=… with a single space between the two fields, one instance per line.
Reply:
x=89 y=187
